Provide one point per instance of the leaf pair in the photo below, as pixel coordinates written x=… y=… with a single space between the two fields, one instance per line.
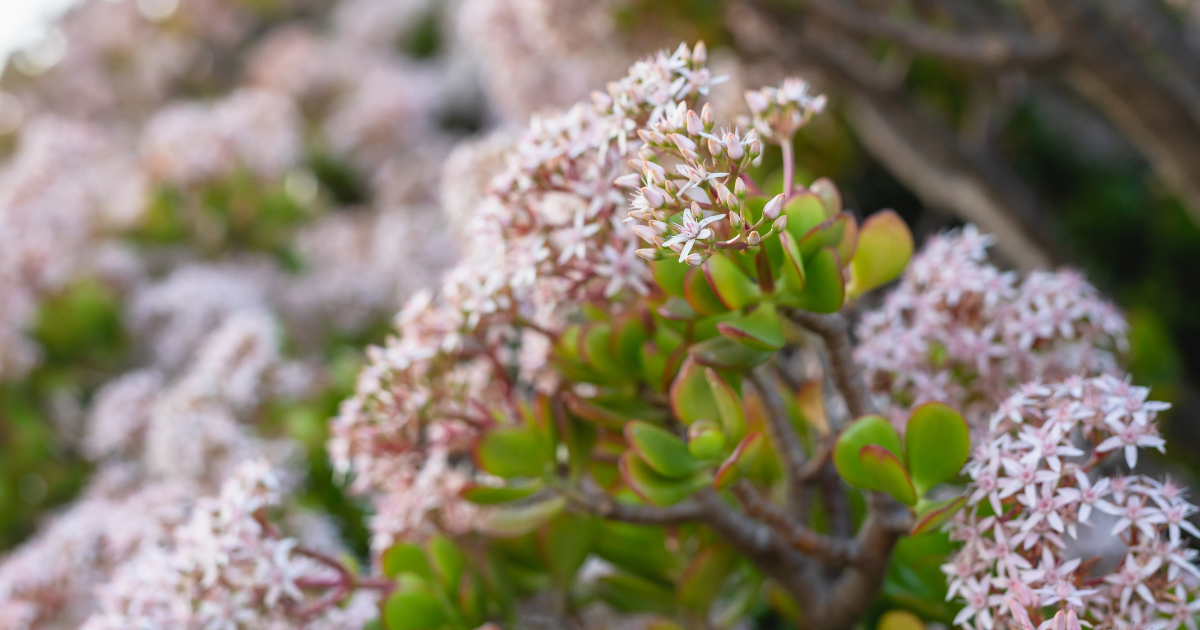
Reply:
x=869 y=453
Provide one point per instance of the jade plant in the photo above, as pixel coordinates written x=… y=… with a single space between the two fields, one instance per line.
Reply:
x=640 y=389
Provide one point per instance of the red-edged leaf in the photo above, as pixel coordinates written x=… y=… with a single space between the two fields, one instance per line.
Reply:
x=889 y=473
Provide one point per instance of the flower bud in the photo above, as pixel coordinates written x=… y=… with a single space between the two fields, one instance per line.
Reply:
x=714 y=147
x=638 y=215
x=725 y=196
x=771 y=210
x=659 y=227
x=779 y=224
x=734 y=146
x=646 y=232
x=685 y=144
x=655 y=198
x=706 y=116
x=645 y=135
x=629 y=180
x=700 y=53
x=650 y=255
x=645 y=152
x=754 y=239
x=694 y=260
x=653 y=170
x=735 y=220
x=694 y=126
x=739 y=189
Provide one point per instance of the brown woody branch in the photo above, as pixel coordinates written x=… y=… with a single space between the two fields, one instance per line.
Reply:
x=834 y=552
x=986 y=48
x=835 y=331
x=783 y=435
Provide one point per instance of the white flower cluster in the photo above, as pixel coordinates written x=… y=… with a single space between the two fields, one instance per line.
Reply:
x=960 y=331
x=779 y=111
x=550 y=238
x=1037 y=493
x=225 y=567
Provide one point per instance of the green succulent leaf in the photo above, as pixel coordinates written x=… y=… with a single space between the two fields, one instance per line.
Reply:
x=724 y=353
x=413 y=610
x=889 y=473
x=885 y=246
x=739 y=462
x=933 y=515
x=661 y=450
x=406 y=558
x=564 y=544
x=655 y=488
x=728 y=404
x=827 y=191
x=669 y=273
x=511 y=521
x=729 y=283
x=759 y=330
x=706 y=440
x=492 y=495
x=862 y=432
x=938 y=443
x=824 y=290
x=513 y=452
x=677 y=309
x=701 y=580
x=691 y=397
x=804 y=212
x=700 y=295
x=791 y=273
x=448 y=562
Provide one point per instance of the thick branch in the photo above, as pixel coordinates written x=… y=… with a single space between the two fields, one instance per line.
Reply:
x=606 y=507
x=834 y=552
x=836 y=333
x=989 y=48
x=783 y=435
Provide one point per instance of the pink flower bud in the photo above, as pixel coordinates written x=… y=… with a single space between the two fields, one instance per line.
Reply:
x=754 y=238
x=779 y=225
x=694 y=126
x=649 y=254
x=706 y=116
x=739 y=188
x=700 y=53
x=655 y=197
x=771 y=210
x=694 y=260
x=645 y=232
x=659 y=227
x=734 y=146
x=714 y=147
x=629 y=180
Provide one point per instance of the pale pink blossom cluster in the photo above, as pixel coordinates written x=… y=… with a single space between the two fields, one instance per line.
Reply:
x=958 y=330
x=67 y=186
x=1037 y=493
x=226 y=566
x=779 y=111
x=252 y=130
x=548 y=239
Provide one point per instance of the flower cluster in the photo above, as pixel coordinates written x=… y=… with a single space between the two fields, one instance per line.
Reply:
x=1047 y=538
x=550 y=237
x=960 y=331
x=225 y=566
x=779 y=111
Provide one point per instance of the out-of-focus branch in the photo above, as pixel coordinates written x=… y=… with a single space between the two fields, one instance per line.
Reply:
x=783 y=434
x=834 y=552
x=1156 y=117
x=987 y=48
x=604 y=506
x=835 y=331
x=924 y=155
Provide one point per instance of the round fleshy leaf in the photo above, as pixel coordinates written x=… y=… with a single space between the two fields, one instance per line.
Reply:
x=512 y=521
x=759 y=330
x=492 y=495
x=729 y=404
x=932 y=516
x=739 y=462
x=885 y=245
x=791 y=272
x=732 y=287
x=701 y=580
x=700 y=295
x=838 y=232
x=513 y=452
x=937 y=443
x=889 y=473
x=691 y=397
x=654 y=488
x=827 y=191
x=824 y=290
x=706 y=440
x=669 y=273
x=406 y=558
x=447 y=561
x=661 y=450
x=866 y=430
x=848 y=246
x=804 y=212
x=413 y=610
x=724 y=353
x=900 y=620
